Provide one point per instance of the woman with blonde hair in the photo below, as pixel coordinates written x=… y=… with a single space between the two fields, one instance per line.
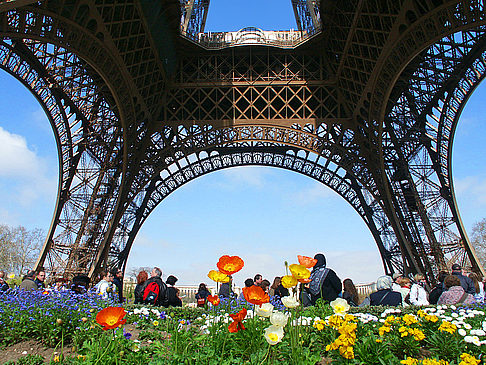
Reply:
x=418 y=294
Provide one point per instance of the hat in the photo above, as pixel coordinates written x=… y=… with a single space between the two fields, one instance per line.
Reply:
x=456 y=267
x=397 y=275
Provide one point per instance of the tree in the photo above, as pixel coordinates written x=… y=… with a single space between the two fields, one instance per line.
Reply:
x=478 y=239
x=19 y=248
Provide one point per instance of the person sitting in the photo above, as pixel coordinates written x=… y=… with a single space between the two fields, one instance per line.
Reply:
x=142 y=277
x=455 y=293
x=405 y=285
x=202 y=295
x=105 y=287
x=418 y=294
x=274 y=286
x=350 y=293
x=478 y=285
x=439 y=288
x=281 y=291
x=80 y=284
x=225 y=289
x=325 y=284
x=3 y=283
x=384 y=294
x=257 y=280
x=265 y=284
x=173 y=298
x=28 y=282
x=397 y=278
x=466 y=283
x=248 y=283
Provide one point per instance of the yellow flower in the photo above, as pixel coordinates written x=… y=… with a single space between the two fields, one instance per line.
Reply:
x=335 y=321
x=409 y=361
x=447 y=327
x=409 y=319
x=340 y=306
x=288 y=281
x=11 y=276
x=417 y=334
x=299 y=271
x=469 y=360
x=384 y=329
x=81 y=357
x=155 y=323
x=319 y=324
x=56 y=358
x=218 y=277
x=347 y=352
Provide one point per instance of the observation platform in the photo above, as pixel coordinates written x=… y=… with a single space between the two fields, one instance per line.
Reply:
x=251 y=36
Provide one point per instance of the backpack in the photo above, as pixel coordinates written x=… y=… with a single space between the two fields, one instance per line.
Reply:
x=151 y=293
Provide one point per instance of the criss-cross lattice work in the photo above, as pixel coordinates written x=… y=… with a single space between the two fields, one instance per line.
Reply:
x=366 y=102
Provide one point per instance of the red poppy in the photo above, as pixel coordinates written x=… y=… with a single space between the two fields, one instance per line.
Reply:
x=237 y=321
x=308 y=262
x=111 y=317
x=214 y=299
x=230 y=264
x=305 y=281
x=255 y=295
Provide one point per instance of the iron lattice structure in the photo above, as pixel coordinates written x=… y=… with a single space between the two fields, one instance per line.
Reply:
x=365 y=97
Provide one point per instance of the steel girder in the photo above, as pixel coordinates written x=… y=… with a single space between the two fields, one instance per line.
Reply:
x=352 y=106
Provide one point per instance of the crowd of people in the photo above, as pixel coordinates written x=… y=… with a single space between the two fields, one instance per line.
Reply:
x=399 y=289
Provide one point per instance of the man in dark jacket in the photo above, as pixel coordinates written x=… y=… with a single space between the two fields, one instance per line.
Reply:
x=40 y=279
x=325 y=284
x=118 y=282
x=156 y=277
x=439 y=288
x=466 y=283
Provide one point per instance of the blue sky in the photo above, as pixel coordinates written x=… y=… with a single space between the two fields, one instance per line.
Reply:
x=265 y=215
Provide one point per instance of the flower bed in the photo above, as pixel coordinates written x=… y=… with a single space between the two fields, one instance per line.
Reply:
x=236 y=332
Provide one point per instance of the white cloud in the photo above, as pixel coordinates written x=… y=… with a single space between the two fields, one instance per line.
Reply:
x=245 y=175
x=16 y=159
x=471 y=188
x=313 y=193
x=25 y=175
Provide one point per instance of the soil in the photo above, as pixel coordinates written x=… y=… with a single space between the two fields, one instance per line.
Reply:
x=30 y=347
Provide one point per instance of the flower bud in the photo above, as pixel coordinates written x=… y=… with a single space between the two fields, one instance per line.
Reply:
x=84 y=319
x=59 y=321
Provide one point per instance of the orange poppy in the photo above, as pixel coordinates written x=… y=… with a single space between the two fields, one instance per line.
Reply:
x=230 y=264
x=111 y=317
x=305 y=281
x=306 y=261
x=237 y=321
x=214 y=299
x=255 y=295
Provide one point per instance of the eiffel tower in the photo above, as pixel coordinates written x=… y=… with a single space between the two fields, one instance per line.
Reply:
x=363 y=97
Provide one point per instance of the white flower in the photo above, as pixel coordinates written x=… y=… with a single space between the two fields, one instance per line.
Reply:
x=467 y=326
x=462 y=332
x=478 y=332
x=264 y=310
x=274 y=334
x=455 y=315
x=340 y=306
x=473 y=339
x=453 y=307
x=290 y=302
x=278 y=319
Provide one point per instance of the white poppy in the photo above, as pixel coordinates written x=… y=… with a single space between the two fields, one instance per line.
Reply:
x=290 y=302
x=278 y=319
x=274 y=334
x=264 y=310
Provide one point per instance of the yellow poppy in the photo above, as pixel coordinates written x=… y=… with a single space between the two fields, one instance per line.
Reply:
x=218 y=277
x=299 y=271
x=288 y=281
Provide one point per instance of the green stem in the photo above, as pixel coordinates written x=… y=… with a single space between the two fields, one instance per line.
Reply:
x=266 y=354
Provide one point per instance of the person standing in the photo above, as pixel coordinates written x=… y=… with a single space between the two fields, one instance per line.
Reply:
x=257 y=280
x=173 y=298
x=397 y=281
x=418 y=294
x=325 y=284
x=157 y=296
x=202 y=295
x=478 y=285
x=439 y=288
x=138 y=292
x=466 y=283
x=118 y=282
x=40 y=279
